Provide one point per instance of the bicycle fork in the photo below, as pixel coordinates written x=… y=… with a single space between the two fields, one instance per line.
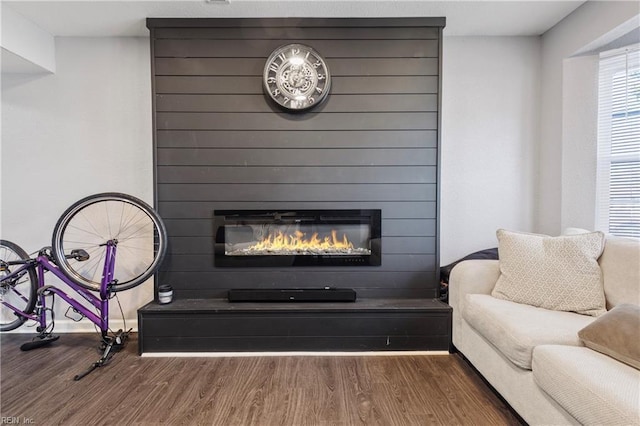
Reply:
x=110 y=344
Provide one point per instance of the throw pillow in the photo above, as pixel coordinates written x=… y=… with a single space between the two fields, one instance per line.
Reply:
x=616 y=333
x=557 y=273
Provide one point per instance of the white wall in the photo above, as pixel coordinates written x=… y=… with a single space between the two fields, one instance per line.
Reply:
x=85 y=129
x=519 y=129
x=579 y=142
x=63 y=133
x=26 y=42
x=490 y=111
x=592 y=24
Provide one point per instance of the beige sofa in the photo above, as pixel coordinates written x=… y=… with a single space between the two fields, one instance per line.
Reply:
x=534 y=358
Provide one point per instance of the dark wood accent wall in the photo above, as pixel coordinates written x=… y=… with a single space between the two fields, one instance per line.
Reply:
x=373 y=144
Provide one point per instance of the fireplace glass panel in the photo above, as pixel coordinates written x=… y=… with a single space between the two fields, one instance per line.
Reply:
x=297 y=238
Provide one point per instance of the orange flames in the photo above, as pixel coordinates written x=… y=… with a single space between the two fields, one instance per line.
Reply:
x=297 y=242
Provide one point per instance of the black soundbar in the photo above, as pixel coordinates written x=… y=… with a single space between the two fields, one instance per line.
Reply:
x=327 y=294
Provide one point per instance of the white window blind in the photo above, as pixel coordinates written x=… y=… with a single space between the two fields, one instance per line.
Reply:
x=618 y=176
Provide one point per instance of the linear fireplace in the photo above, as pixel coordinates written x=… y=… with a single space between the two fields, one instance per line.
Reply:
x=247 y=238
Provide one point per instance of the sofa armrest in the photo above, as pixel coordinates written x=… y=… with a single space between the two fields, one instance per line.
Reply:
x=470 y=277
x=474 y=276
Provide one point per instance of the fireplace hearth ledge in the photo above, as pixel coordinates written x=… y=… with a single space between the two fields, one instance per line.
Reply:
x=366 y=325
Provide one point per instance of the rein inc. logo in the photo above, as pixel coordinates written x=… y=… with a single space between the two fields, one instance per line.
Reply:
x=7 y=420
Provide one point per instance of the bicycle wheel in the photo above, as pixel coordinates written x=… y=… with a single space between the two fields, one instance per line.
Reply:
x=139 y=233
x=19 y=291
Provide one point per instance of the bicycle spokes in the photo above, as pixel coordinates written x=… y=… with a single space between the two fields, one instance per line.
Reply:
x=18 y=284
x=128 y=223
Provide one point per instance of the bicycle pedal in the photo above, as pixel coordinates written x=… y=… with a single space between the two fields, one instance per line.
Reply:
x=42 y=341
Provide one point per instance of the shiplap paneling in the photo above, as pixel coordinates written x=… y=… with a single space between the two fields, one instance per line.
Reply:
x=392 y=262
x=248 y=85
x=256 y=103
x=204 y=209
x=259 y=191
x=340 y=67
x=260 y=157
x=373 y=144
x=327 y=139
x=296 y=174
x=282 y=121
x=256 y=48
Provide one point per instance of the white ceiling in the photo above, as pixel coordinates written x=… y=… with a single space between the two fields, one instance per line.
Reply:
x=121 y=18
x=84 y=18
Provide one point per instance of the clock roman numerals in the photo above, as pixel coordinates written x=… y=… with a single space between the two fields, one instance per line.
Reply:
x=296 y=77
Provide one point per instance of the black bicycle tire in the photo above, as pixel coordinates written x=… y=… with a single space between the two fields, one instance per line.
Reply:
x=65 y=218
x=33 y=279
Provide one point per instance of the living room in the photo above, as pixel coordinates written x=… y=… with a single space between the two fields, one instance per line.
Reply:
x=517 y=80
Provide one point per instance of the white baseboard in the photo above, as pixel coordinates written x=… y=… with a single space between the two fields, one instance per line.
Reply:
x=289 y=353
x=66 y=325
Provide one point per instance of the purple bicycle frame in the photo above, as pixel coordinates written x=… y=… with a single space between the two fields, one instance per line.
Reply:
x=100 y=303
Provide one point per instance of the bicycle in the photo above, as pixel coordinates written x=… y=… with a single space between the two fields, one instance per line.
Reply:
x=85 y=242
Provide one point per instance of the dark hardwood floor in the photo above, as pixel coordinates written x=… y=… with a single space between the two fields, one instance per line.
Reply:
x=314 y=390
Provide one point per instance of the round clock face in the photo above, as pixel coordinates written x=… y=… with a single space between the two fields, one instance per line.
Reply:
x=296 y=77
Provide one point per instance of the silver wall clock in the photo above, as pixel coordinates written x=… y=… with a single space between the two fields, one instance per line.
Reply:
x=296 y=77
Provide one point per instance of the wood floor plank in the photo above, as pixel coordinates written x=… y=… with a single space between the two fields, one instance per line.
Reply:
x=288 y=390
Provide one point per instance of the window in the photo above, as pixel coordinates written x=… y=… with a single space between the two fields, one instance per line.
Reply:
x=618 y=177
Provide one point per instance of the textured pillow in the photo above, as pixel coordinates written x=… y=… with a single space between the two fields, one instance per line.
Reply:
x=557 y=273
x=616 y=333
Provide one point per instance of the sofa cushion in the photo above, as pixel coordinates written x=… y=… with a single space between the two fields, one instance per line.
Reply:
x=620 y=264
x=557 y=273
x=515 y=328
x=616 y=333
x=592 y=387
